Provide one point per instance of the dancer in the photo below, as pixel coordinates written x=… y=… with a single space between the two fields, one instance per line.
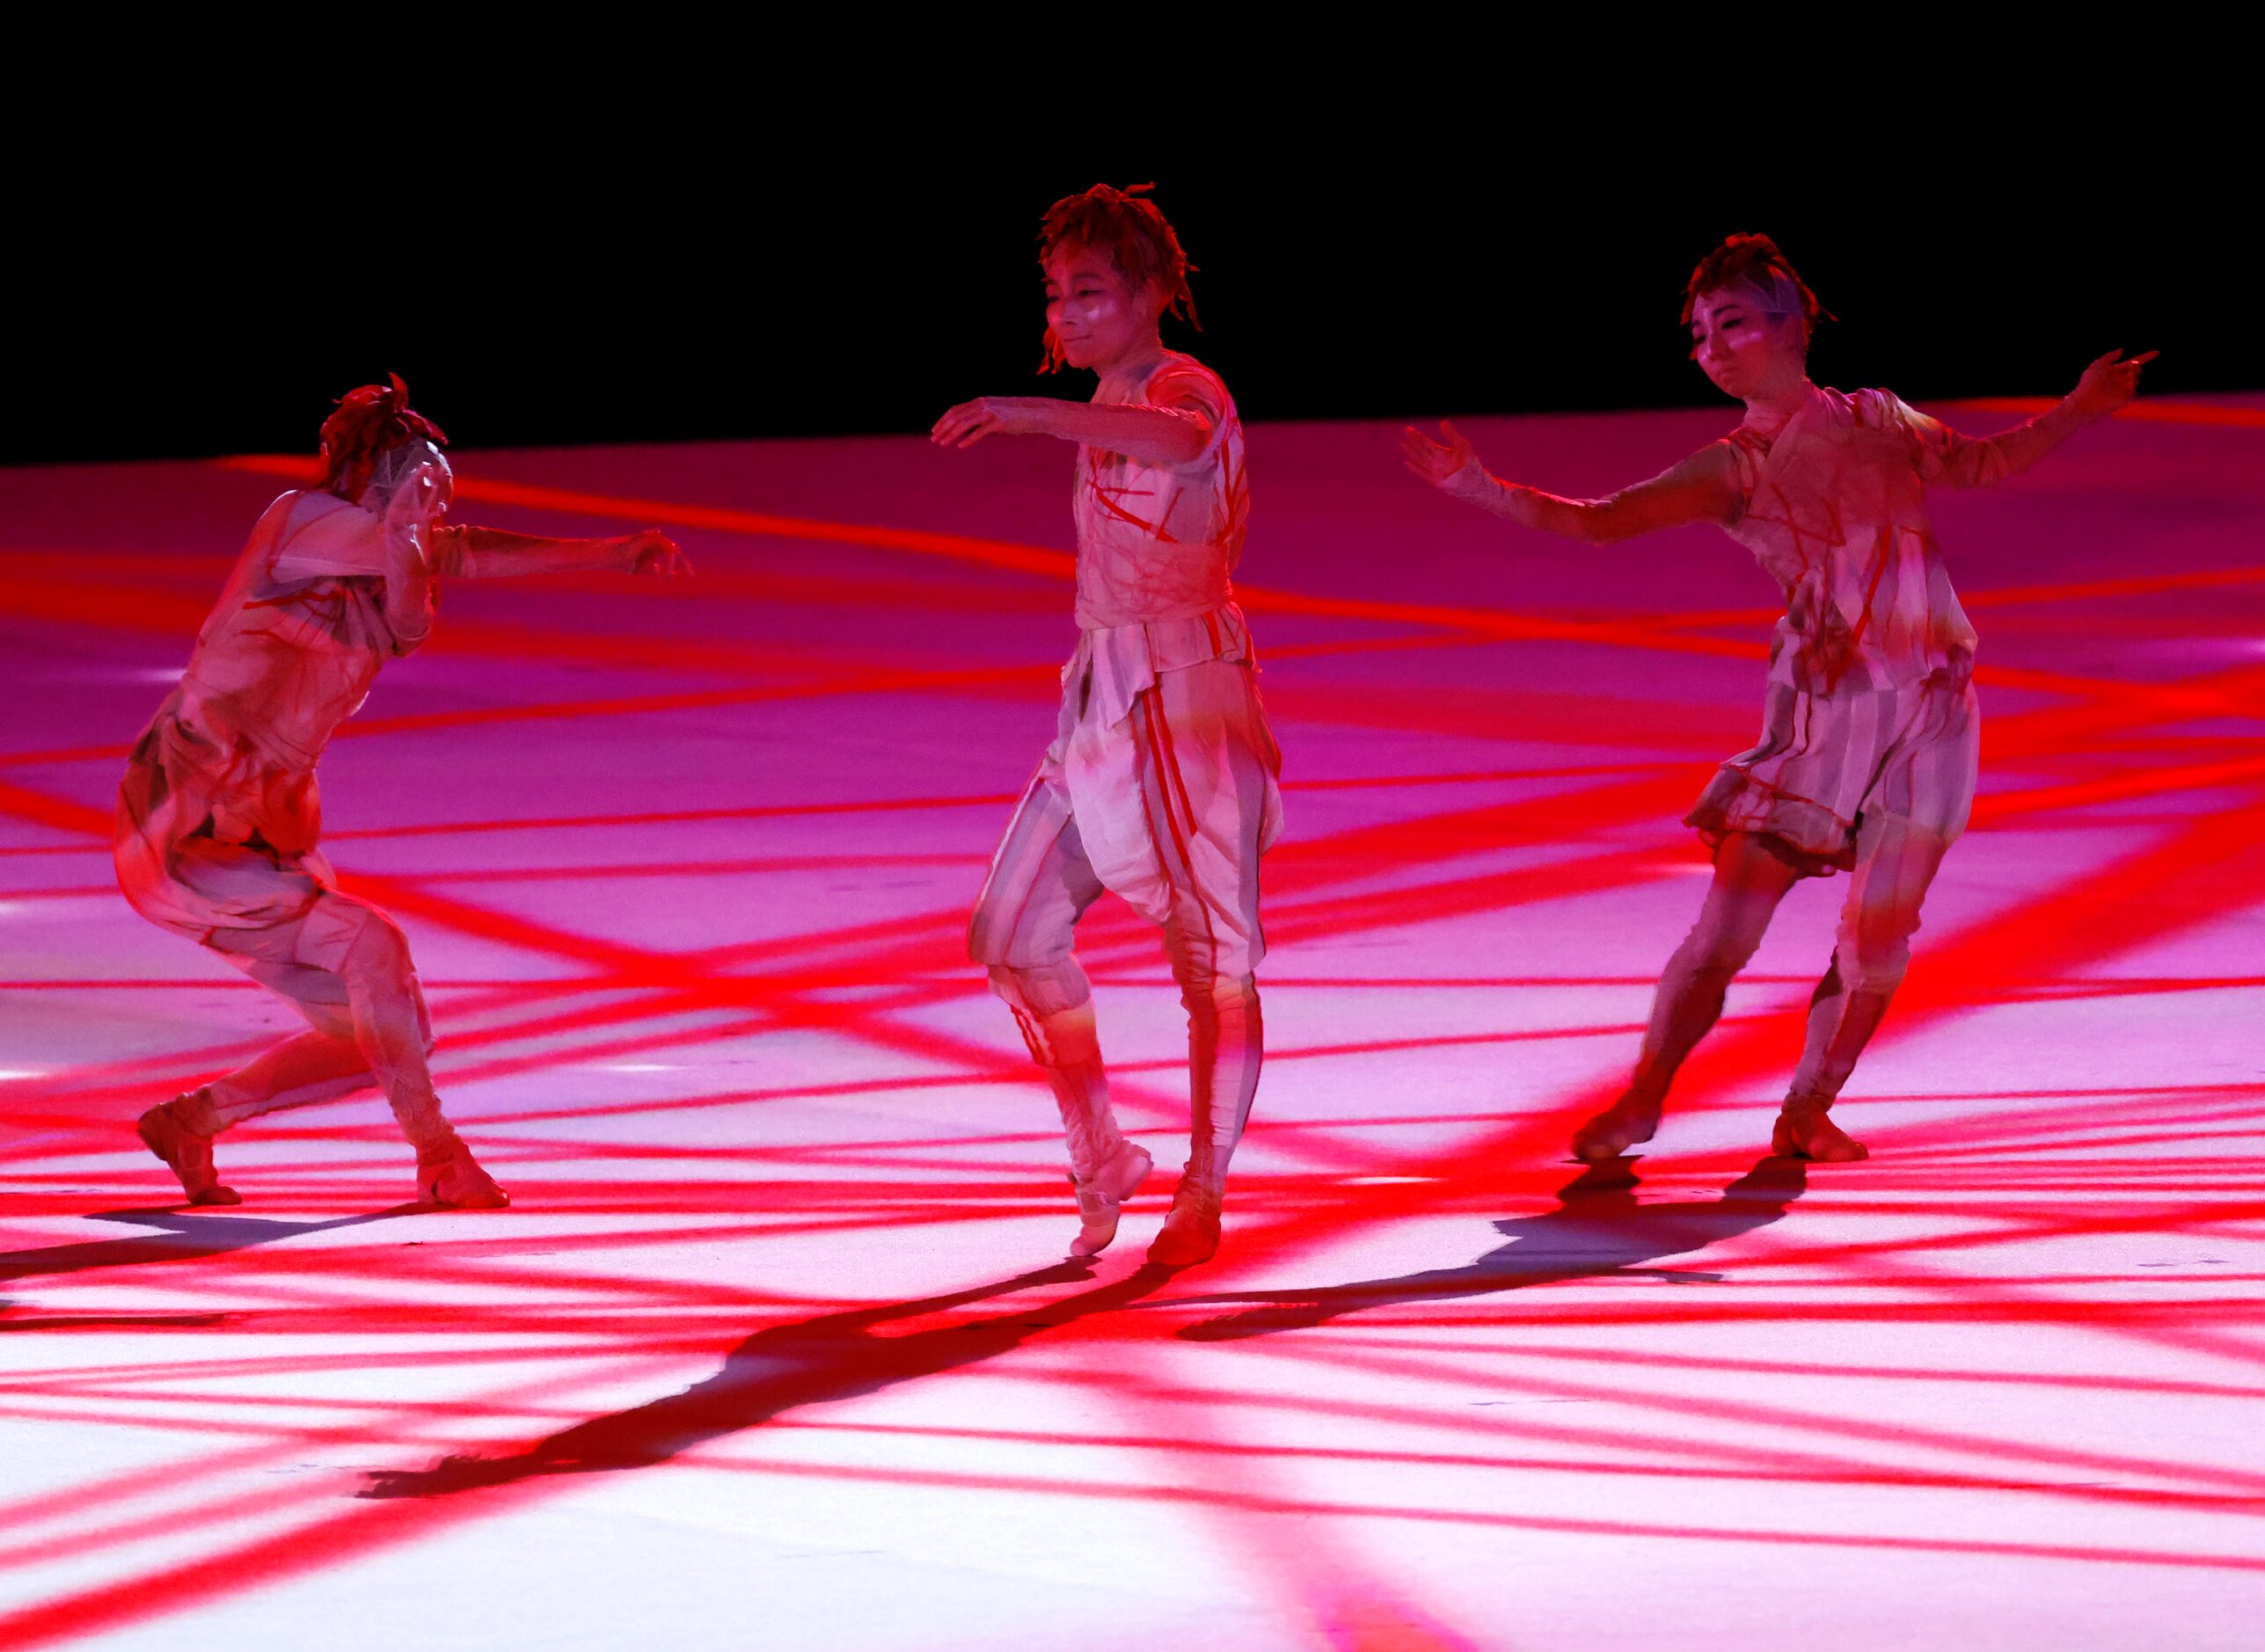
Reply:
x=219 y=814
x=1160 y=782
x=1867 y=760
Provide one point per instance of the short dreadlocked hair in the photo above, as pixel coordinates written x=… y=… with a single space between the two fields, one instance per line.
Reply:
x=371 y=422
x=1125 y=225
x=1753 y=262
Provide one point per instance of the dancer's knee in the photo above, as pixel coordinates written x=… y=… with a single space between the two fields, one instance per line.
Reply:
x=1000 y=937
x=378 y=973
x=1208 y=965
x=1874 y=958
x=1718 y=945
x=1216 y=1001
x=378 y=955
x=1066 y=1039
x=1041 y=989
x=990 y=936
x=1053 y=1005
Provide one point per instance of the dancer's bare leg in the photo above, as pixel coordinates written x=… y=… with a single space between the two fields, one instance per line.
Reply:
x=1749 y=880
x=312 y=1066
x=1896 y=862
x=1025 y=920
x=316 y=1066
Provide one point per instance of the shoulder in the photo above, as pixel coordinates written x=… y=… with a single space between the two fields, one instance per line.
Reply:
x=315 y=506
x=1879 y=409
x=288 y=514
x=320 y=532
x=1183 y=378
x=1729 y=462
x=302 y=507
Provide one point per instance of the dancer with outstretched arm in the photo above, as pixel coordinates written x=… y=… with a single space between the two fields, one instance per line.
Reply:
x=1866 y=762
x=1160 y=782
x=219 y=814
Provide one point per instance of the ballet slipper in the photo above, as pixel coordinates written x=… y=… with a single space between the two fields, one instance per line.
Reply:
x=1191 y=1231
x=1100 y=1197
x=1804 y=1131
x=187 y=1154
x=1627 y=1122
x=447 y=1175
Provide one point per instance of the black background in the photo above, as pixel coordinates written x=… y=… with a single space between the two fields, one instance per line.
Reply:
x=211 y=292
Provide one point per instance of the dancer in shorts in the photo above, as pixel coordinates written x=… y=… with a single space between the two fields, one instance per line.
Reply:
x=1869 y=728
x=218 y=815
x=1160 y=784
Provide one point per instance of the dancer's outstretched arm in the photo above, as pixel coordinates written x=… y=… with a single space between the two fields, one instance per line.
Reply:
x=1949 y=459
x=471 y=552
x=1175 y=431
x=1701 y=488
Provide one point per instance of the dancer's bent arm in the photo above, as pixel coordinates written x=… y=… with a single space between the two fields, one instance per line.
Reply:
x=471 y=552
x=1701 y=488
x=1167 y=434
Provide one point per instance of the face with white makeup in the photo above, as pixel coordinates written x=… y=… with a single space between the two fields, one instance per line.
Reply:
x=1099 y=315
x=1748 y=351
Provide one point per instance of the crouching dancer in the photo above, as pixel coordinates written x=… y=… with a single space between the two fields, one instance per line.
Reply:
x=219 y=814
x=1160 y=784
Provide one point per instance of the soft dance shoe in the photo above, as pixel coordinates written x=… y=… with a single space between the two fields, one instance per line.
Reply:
x=1613 y=1132
x=447 y=1175
x=1191 y=1232
x=1099 y=1199
x=187 y=1154
x=1804 y=1131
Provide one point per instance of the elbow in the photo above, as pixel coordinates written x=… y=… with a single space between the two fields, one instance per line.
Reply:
x=1986 y=475
x=447 y=554
x=1599 y=526
x=1189 y=448
x=1608 y=521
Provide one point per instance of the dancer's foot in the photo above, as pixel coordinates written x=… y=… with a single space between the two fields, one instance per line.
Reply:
x=1191 y=1232
x=1627 y=1121
x=1099 y=1199
x=449 y=1176
x=1805 y=1131
x=187 y=1154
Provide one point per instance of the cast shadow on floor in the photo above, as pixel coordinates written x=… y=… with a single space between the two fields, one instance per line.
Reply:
x=1598 y=1231
x=176 y=1236
x=834 y=1357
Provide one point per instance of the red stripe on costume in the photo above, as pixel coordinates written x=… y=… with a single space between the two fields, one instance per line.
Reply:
x=1150 y=702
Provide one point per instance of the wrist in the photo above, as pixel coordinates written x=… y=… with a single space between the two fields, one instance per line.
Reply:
x=1471 y=483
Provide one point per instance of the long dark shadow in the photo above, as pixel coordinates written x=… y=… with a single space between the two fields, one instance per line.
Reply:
x=1598 y=1231
x=177 y=1236
x=833 y=1357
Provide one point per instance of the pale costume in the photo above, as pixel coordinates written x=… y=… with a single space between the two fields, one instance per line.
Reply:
x=1867 y=757
x=1870 y=729
x=219 y=814
x=1160 y=785
x=1868 y=709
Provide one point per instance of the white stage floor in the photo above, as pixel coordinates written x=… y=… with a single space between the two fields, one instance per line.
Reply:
x=775 y=1347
